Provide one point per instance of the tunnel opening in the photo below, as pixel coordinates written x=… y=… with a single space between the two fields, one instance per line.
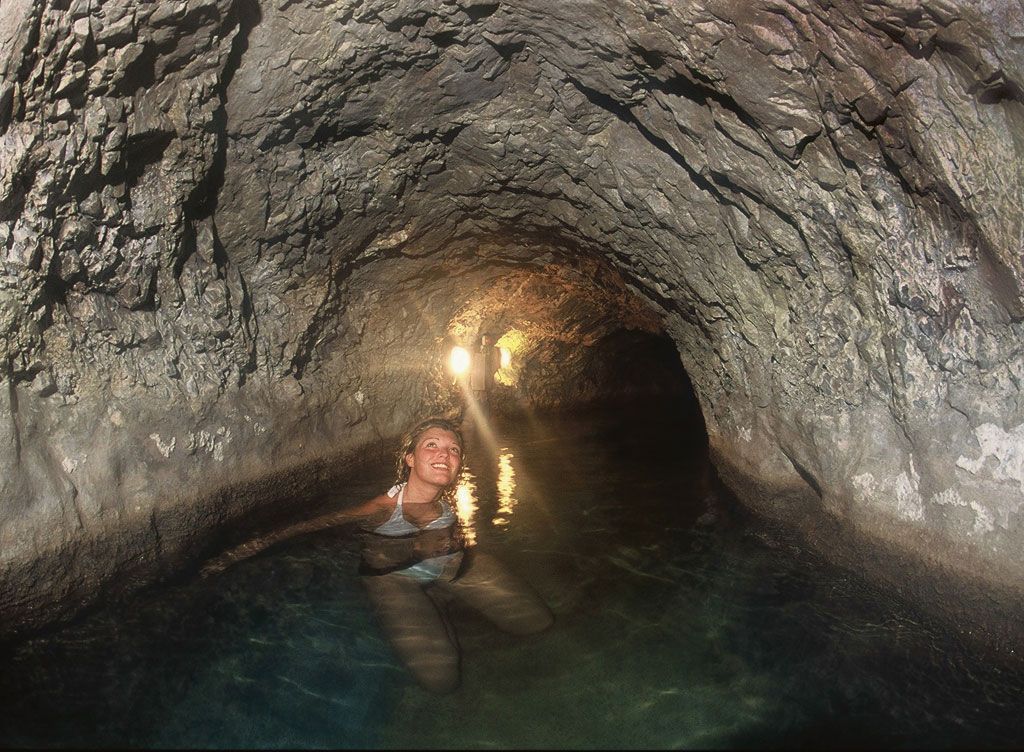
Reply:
x=566 y=332
x=564 y=374
x=623 y=366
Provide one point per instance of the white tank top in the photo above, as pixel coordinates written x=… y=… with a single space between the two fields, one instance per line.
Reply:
x=397 y=525
x=427 y=570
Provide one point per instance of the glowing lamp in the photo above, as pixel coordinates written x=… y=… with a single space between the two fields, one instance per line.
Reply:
x=506 y=357
x=458 y=361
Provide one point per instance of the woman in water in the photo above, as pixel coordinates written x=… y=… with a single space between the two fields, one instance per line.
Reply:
x=414 y=559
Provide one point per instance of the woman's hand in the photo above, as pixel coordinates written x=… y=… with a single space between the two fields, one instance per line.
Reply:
x=431 y=543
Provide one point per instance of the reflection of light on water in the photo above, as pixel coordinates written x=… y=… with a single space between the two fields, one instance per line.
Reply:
x=506 y=488
x=466 y=505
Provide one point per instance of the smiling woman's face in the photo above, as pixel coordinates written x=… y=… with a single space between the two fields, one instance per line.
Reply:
x=437 y=457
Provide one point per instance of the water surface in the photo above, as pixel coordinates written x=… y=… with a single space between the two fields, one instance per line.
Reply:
x=679 y=624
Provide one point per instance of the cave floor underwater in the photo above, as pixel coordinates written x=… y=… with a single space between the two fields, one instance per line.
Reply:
x=680 y=623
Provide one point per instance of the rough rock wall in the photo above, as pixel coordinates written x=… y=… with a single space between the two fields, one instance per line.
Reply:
x=236 y=235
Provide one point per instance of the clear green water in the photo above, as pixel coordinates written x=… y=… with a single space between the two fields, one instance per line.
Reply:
x=679 y=625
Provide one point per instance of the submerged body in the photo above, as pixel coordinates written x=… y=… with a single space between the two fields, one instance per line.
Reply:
x=421 y=552
x=414 y=559
x=410 y=572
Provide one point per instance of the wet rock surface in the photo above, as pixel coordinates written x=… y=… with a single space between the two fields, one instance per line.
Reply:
x=239 y=238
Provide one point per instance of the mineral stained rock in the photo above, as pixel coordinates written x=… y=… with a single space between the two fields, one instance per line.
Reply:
x=238 y=237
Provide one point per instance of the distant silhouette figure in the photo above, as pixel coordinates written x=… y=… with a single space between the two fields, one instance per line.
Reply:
x=484 y=365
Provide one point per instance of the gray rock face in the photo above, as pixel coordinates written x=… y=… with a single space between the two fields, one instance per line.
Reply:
x=239 y=238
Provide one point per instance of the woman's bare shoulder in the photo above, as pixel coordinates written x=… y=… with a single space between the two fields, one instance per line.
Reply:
x=378 y=505
x=383 y=501
x=372 y=506
x=369 y=509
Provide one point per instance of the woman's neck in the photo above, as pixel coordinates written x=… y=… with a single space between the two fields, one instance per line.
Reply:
x=418 y=492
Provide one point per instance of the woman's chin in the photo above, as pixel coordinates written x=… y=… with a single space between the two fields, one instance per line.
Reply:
x=437 y=478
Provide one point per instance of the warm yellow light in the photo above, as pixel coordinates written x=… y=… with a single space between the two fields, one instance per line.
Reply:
x=458 y=361
x=511 y=346
x=506 y=488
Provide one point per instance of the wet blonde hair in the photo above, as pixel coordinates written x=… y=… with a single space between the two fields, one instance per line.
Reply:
x=412 y=437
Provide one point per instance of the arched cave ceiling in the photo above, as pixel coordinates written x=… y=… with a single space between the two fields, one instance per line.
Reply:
x=237 y=236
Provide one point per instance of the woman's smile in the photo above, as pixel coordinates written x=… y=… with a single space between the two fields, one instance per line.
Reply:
x=436 y=458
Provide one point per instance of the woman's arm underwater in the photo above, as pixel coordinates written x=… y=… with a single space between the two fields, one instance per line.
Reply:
x=362 y=511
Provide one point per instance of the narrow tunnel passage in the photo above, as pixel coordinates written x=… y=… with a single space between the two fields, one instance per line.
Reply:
x=236 y=234
x=240 y=239
x=569 y=334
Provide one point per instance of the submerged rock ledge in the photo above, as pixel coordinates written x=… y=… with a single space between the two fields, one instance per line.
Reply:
x=239 y=238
